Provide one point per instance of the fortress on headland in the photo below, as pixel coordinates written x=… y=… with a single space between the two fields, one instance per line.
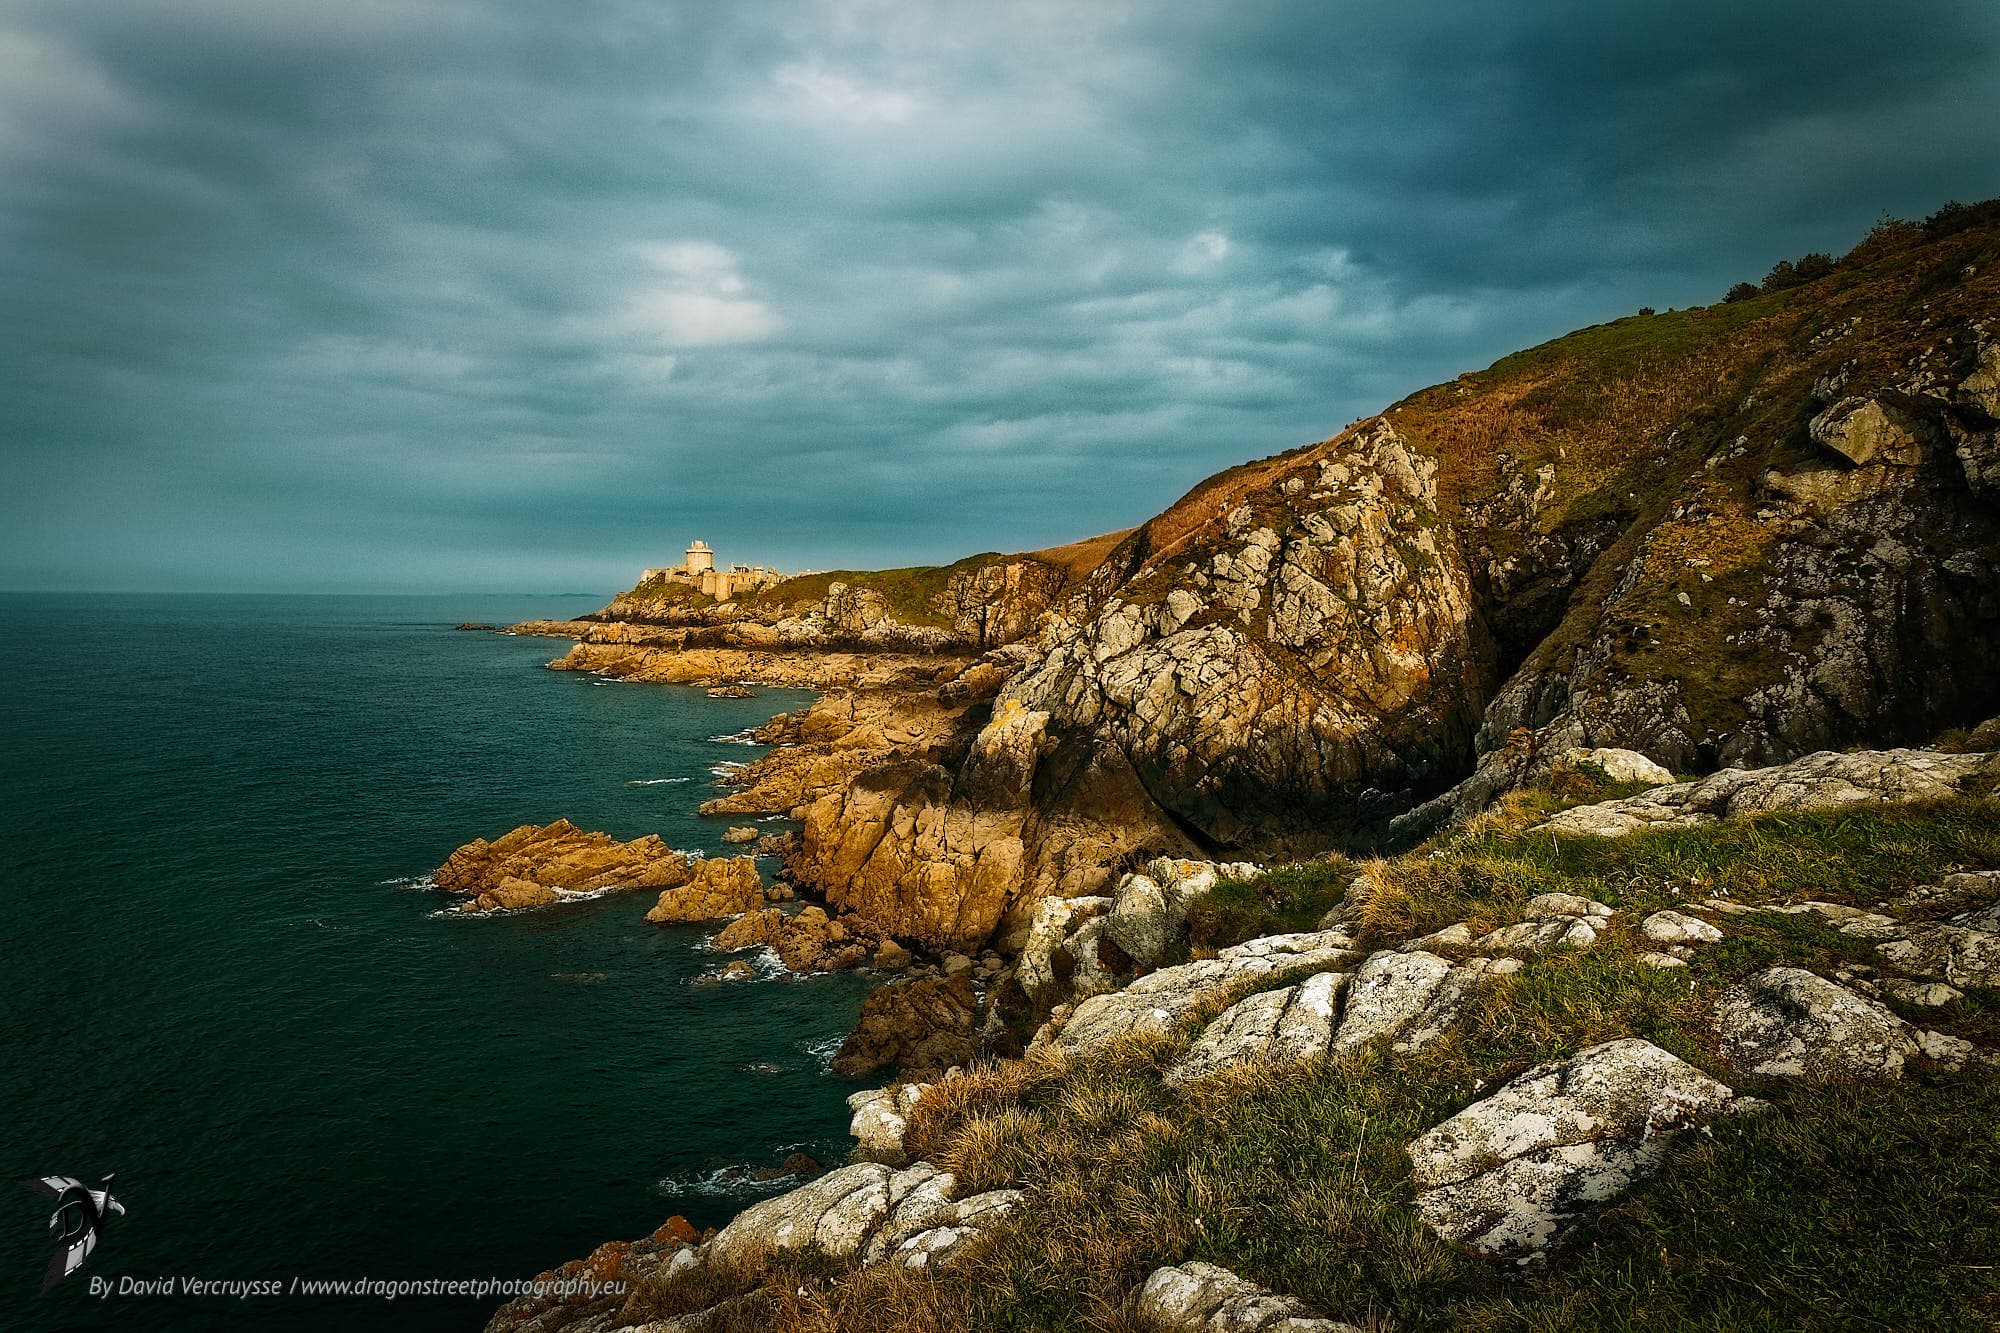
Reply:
x=698 y=571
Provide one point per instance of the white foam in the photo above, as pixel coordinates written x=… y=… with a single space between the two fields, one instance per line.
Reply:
x=724 y=1182
x=742 y=737
x=825 y=1049
x=655 y=782
x=427 y=880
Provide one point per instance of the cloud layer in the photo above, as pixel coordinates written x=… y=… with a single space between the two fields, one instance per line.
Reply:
x=480 y=294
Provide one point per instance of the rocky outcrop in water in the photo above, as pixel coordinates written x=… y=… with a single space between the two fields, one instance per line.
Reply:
x=919 y=1025
x=533 y=865
x=714 y=887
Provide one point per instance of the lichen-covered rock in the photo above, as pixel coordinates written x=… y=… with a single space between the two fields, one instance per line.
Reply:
x=1158 y=1000
x=1198 y=1297
x=1410 y=997
x=1821 y=781
x=1149 y=912
x=1618 y=765
x=1959 y=954
x=1055 y=921
x=837 y=1213
x=1788 y=1022
x=1506 y=1175
x=1678 y=928
x=1278 y=1027
x=1553 y=920
x=534 y=865
x=880 y=1119
x=716 y=887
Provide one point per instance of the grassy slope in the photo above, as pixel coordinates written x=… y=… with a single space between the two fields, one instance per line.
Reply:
x=1845 y=1206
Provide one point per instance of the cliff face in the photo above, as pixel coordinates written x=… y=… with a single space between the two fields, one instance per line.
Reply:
x=1730 y=535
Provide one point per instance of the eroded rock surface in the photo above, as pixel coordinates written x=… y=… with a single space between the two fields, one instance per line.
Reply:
x=1157 y=1001
x=1508 y=1174
x=715 y=887
x=918 y=1024
x=534 y=864
x=1791 y=1023
x=1820 y=781
x=1197 y=1297
x=1412 y=998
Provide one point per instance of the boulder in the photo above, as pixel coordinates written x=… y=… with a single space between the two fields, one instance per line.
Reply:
x=1141 y=920
x=1617 y=765
x=1054 y=921
x=740 y=835
x=1159 y=1000
x=534 y=864
x=880 y=1119
x=716 y=887
x=1149 y=912
x=1553 y=919
x=1197 y=1297
x=1822 y=781
x=1960 y=954
x=1868 y=430
x=1508 y=1174
x=1678 y=928
x=837 y=1213
x=1412 y=998
x=805 y=941
x=916 y=1023
x=1788 y=1022
x=868 y=1212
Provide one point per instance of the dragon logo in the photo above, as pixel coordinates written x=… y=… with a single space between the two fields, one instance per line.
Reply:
x=76 y=1222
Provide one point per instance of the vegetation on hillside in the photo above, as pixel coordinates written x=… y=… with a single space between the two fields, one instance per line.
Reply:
x=1842 y=1206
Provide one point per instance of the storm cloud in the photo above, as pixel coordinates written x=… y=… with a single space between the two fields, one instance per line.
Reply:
x=434 y=294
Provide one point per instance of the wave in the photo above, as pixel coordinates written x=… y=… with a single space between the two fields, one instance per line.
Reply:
x=735 y=1181
x=825 y=1049
x=727 y=768
x=655 y=782
x=585 y=895
x=742 y=737
x=427 y=880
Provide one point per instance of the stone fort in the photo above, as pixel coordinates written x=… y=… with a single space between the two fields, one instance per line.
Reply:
x=698 y=571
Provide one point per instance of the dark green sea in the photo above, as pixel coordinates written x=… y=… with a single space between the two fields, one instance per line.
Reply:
x=225 y=982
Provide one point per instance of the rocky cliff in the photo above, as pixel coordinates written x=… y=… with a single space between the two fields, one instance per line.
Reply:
x=1727 y=535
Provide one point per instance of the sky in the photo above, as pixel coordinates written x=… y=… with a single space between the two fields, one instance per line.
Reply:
x=424 y=295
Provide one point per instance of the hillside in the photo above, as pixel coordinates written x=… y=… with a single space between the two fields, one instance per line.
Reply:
x=1731 y=535
x=1529 y=861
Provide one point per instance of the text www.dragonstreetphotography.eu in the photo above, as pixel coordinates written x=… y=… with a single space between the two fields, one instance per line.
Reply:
x=387 y=1289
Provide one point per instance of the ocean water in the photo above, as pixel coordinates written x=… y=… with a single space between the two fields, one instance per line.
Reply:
x=222 y=984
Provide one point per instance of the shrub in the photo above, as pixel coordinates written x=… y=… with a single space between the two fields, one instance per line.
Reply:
x=1742 y=291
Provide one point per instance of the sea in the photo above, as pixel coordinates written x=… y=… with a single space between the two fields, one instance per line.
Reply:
x=229 y=985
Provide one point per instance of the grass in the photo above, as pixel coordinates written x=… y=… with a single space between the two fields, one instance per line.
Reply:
x=1844 y=1206
x=1284 y=898
x=1858 y=856
x=912 y=594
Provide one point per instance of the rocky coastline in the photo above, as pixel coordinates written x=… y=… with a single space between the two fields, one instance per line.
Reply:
x=1494 y=762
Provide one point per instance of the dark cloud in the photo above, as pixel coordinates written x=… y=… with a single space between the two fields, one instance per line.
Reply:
x=467 y=293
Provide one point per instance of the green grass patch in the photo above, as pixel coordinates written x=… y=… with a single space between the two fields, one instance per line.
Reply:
x=1859 y=855
x=912 y=594
x=1284 y=898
